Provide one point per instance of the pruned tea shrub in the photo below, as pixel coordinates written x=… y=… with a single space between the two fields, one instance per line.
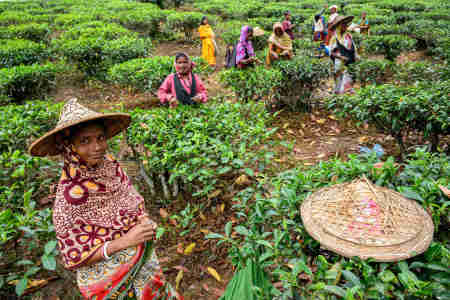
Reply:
x=388 y=45
x=27 y=82
x=33 y=31
x=20 y=52
x=372 y=71
x=399 y=110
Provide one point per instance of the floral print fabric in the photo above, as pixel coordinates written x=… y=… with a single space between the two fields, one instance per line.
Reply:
x=92 y=206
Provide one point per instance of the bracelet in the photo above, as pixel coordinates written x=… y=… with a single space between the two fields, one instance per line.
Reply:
x=105 y=254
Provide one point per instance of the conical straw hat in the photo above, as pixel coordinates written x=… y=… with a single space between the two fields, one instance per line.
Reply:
x=360 y=219
x=258 y=31
x=72 y=114
x=340 y=20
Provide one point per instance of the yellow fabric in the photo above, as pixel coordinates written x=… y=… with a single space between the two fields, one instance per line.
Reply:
x=208 y=52
x=278 y=44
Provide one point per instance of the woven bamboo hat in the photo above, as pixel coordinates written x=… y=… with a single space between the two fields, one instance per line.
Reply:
x=339 y=20
x=73 y=114
x=360 y=219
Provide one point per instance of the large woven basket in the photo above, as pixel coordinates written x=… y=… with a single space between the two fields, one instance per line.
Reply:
x=360 y=219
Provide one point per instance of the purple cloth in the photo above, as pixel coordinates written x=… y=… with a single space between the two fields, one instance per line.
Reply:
x=244 y=47
x=287 y=28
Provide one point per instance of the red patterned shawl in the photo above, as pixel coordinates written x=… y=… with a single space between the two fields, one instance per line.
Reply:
x=92 y=206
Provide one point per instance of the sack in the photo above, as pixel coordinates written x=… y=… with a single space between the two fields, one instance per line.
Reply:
x=248 y=283
x=230 y=57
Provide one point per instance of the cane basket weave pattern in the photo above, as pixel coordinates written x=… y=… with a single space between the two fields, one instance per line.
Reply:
x=360 y=219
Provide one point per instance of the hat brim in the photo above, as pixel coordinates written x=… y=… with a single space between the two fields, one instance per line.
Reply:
x=347 y=19
x=46 y=144
x=258 y=31
x=407 y=249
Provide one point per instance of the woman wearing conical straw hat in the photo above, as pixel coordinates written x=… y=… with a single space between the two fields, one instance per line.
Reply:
x=343 y=52
x=104 y=233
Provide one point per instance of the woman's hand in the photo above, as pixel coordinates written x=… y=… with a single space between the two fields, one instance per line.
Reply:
x=142 y=232
x=197 y=98
x=173 y=102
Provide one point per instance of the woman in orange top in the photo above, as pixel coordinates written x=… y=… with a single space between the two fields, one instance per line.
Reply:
x=207 y=36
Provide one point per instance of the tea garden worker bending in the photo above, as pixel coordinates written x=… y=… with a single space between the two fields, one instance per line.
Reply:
x=280 y=45
x=287 y=25
x=183 y=86
x=104 y=233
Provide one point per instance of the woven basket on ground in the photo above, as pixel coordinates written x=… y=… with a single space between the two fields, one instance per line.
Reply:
x=360 y=219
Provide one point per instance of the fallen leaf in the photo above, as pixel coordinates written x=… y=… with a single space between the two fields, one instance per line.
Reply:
x=180 y=248
x=204 y=231
x=222 y=208
x=297 y=150
x=378 y=165
x=242 y=180
x=291 y=131
x=214 y=194
x=189 y=249
x=332 y=117
x=286 y=125
x=218 y=292
x=301 y=132
x=183 y=268
x=179 y=278
x=163 y=213
x=143 y=125
x=205 y=287
x=279 y=136
x=202 y=216
x=214 y=274
x=321 y=121
x=173 y=222
x=363 y=139
x=321 y=155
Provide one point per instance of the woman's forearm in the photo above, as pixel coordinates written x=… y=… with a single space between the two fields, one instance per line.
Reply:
x=113 y=247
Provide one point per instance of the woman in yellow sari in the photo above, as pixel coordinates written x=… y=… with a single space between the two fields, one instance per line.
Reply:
x=208 y=44
x=280 y=45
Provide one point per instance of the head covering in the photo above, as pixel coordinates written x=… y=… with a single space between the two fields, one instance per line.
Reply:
x=258 y=31
x=288 y=12
x=340 y=20
x=284 y=40
x=183 y=54
x=73 y=114
x=92 y=205
x=333 y=6
x=244 y=47
x=360 y=219
x=203 y=19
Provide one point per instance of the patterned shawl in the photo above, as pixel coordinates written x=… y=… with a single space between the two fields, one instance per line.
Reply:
x=244 y=47
x=283 y=41
x=92 y=206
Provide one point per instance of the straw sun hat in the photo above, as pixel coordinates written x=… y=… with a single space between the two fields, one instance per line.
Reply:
x=339 y=20
x=360 y=219
x=258 y=31
x=73 y=114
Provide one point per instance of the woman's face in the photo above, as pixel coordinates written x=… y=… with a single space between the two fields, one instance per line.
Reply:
x=205 y=21
x=182 y=65
x=333 y=10
x=90 y=144
x=250 y=35
x=344 y=26
x=364 y=15
x=278 y=31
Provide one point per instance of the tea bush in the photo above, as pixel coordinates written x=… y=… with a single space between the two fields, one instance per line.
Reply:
x=95 y=29
x=145 y=20
x=33 y=31
x=411 y=72
x=147 y=74
x=94 y=56
x=12 y=17
x=300 y=76
x=231 y=31
x=198 y=146
x=18 y=52
x=72 y=19
x=372 y=71
x=271 y=233
x=186 y=22
x=28 y=82
x=398 y=110
x=25 y=123
x=389 y=45
x=252 y=83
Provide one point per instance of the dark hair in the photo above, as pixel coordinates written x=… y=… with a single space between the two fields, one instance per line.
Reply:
x=203 y=20
x=180 y=54
x=317 y=17
x=250 y=30
x=288 y=12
